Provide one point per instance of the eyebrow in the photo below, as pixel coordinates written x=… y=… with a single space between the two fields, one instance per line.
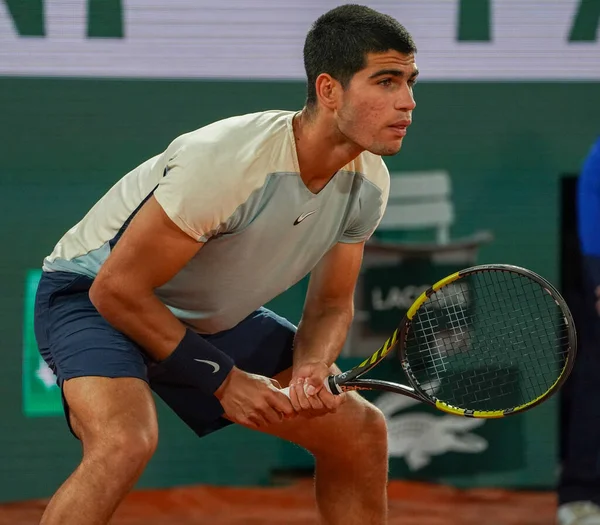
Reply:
x=394 y=73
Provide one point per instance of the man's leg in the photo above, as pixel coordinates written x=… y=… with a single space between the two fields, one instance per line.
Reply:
x=350 y=450
x=116 y=422
x=108 y=402
x=350 y=446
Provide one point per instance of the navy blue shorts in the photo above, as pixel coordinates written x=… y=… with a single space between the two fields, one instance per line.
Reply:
x=76 y=341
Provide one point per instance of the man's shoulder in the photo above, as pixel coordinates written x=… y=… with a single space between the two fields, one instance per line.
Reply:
x=238 y=130
x=252 y=141
x=237 y=153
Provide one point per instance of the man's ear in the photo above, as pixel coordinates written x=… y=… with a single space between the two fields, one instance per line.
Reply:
x=329 y=91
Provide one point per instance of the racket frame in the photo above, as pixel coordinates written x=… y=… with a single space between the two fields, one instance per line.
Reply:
x=351 y=379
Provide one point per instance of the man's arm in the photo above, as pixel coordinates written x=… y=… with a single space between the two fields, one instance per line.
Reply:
x=326 y=318
x=150 y=253
x=329 y=305
x=153 y=250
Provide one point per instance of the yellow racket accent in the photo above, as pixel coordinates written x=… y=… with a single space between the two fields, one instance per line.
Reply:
x=389 y=344
x=423 y=297
x=416 y=305
x=565 y=367
x=382 y=352
x=461 y=411
x=445 y=281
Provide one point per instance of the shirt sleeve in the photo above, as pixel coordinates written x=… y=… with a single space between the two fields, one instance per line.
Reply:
x=371 y=206
x=194 y=195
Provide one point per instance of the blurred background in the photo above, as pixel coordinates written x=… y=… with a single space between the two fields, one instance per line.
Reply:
x=508 y=105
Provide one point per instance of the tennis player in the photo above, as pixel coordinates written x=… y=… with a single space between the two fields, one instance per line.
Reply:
x=160 y=286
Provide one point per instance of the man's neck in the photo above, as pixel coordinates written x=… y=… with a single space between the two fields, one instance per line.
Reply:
x=322 y=150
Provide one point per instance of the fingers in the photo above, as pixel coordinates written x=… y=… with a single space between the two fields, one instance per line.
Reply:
x=319 y=403
x=275 y=407
x=315 y=401
x=281 y=403
x=308 y=400
x=252 y=421
x=311 y=387
x=309 y=397
x=294 y=397
x=258 y=402
x=302 y=400
x=270 y=415
x=261 y=417
x=330 y=401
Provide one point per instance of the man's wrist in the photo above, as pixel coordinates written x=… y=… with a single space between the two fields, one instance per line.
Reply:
x=301 y=363
x=198 y=363
x=226 y=382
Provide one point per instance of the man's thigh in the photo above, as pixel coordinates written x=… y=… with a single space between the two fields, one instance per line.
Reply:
x=102 y=408
x=327 y=433
x=76 y=341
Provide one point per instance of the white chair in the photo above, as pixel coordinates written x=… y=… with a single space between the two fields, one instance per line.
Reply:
x=420 y=201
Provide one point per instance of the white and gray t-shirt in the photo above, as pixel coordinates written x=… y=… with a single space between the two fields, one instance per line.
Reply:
x=234 y=185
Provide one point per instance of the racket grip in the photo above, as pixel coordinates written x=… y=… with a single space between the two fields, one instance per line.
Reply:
x=286 y=390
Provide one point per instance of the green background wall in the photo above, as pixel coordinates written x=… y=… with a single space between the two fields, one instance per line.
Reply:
x=64 y=142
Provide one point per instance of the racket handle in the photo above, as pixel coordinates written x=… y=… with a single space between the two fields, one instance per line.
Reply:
x=286 y=390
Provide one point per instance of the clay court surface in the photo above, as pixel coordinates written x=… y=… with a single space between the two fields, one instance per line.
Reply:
x=410 y=504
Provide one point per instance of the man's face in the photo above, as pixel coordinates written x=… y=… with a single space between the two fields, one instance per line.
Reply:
x=377 y=105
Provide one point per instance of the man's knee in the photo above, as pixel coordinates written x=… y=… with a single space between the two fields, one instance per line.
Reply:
x=129 y=448
x=115 y=420
x=372 y=432
x=361 y=431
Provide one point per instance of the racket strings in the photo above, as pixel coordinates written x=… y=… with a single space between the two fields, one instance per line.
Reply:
x=491 y=341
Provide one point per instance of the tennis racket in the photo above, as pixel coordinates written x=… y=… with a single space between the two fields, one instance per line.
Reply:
x=486 y=342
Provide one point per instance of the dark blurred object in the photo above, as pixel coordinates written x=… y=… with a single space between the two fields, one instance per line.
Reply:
x=571 y=284
x=580 y=408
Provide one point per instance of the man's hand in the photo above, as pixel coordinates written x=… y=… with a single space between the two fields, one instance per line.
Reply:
x=253 y=400
x=308 y=394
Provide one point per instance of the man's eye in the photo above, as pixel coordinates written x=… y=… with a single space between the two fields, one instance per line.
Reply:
x=385 y=82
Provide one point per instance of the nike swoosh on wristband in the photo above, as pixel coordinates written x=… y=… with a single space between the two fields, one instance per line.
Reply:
x=303 y=216
x=211 y=363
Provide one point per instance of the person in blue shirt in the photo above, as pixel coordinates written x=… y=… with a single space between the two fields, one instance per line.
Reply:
x=588 y=196
x=579 y=484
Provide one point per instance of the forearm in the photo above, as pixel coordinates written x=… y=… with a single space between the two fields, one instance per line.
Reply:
x=140 y=315
x=321 y=335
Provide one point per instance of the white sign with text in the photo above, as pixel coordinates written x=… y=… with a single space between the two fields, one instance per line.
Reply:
x=236 y=39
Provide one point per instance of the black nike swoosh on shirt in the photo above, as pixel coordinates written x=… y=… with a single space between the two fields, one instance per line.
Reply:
x=303 y=216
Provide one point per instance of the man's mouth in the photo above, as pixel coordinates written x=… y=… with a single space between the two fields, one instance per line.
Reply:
x=400 y=127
